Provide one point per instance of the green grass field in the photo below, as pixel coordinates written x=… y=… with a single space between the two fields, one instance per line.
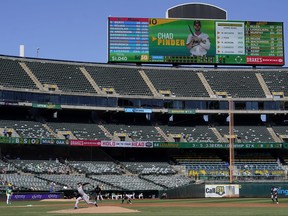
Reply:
x=156 y=207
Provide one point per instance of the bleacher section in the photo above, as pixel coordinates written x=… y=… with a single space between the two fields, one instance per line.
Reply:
x=181 y=83
x=22 y=128
x=267 y=169
x=26 y=182
x=70 y=181
x=127 y=182
x=38 y=174
x=130 y=132
x=122 y=80
x=41 y=166
x=129 y=82
x=67 y=77
x=12 y=75
x=252 y=134
x=82 y=131
x=237 y=84
x=191 y=134
x=208 y=168
x=169 y=181
x=281 y=131
x=247 y=167
x=276 y=81
x=148 y=168
x=134 y=132
x=7 y=167
x=95 y=167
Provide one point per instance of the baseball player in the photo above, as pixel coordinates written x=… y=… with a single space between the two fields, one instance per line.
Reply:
x=274 y=195
x=9 y=192
x=98 y=191
x=197 y=42
x=127 y=197
x=83 y=196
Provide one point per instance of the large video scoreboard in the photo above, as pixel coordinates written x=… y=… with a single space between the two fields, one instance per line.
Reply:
x=186 y=41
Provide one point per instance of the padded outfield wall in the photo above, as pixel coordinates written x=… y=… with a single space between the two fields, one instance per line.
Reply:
x=242 y=190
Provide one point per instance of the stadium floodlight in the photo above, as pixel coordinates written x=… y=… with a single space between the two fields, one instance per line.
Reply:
x=37 y=52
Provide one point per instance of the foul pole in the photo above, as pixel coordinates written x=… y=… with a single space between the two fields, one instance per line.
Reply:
x=231 y=139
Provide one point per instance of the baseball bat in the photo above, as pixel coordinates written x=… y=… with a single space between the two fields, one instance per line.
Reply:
x=190 y=30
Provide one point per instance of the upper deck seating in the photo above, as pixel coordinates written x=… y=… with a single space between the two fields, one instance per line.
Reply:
x=237 y=84
x=181 y=83
x=124 y=80
x=276 y=80
x=67 y=77
x=12 y=75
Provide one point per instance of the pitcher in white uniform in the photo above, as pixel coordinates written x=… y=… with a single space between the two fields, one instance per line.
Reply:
x=83 y=196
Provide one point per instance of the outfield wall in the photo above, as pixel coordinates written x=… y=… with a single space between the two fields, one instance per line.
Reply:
x=35 y=195
x=242 y=190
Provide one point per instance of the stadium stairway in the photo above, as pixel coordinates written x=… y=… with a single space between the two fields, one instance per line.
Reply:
x=206 y=85
x=218 y=135
x=107 y=133
x=50 y=130
x=149 y=83
x=161 y=132
x=90 y=80
x=263 y=85
x=32 y=76
x=273 y=135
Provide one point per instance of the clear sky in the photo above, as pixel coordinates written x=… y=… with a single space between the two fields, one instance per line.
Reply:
x=76 y=30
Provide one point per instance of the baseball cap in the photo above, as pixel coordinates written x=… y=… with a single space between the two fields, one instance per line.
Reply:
x=197 y=22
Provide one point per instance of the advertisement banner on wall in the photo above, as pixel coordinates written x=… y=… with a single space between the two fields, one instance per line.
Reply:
x=95 y=143
x=127 y=144
x=223 y=190
x=36 y=196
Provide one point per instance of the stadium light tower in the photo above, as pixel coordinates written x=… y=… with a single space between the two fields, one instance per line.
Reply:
x=37 y=52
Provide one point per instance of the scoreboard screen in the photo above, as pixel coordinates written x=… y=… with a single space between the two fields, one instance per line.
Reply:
x=187 y=41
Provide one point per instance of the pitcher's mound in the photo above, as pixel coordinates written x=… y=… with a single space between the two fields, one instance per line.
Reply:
x=100 y=209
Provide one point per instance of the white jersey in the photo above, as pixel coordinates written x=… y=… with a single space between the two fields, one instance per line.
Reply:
x=201 y=44
x=83 y=196
x=80 y=190
x=275 y=191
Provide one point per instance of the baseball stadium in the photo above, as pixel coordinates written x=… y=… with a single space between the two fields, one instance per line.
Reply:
x=175 y=132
